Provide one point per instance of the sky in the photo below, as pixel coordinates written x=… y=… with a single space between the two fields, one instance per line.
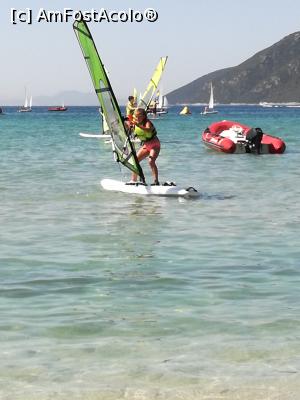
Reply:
x=198 y=36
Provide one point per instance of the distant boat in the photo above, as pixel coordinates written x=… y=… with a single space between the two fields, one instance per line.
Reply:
x=210 y=109
x=289 y=105
x=27 y=104
x=159 y=107
x=58 y=108
x=162 y=106
x=265 y=104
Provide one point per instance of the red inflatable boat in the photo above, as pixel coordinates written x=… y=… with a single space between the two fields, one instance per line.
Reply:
x=233 y=137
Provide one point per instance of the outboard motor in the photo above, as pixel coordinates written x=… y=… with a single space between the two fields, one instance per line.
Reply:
x=253 y=139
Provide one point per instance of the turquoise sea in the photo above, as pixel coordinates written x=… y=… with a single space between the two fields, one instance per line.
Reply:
x=112 y=296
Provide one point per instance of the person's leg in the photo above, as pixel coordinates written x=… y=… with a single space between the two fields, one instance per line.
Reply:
x=152 y=158
x=141 y=155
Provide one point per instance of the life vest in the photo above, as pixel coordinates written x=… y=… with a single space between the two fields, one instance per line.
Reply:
x=144 y=135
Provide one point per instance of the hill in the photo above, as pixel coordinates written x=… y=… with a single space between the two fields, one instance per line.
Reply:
x=271 y=75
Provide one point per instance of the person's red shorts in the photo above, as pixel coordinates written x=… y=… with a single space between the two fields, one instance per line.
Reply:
x=153 y=144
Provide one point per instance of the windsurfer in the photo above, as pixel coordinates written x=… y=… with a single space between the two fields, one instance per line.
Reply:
x=144 y=129
x=154 y=109
x=130 y=107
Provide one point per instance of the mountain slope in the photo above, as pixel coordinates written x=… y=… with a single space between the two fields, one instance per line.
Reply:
x=272 y=74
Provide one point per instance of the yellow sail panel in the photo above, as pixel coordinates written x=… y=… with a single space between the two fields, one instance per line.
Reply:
x=134 y=94
x=153 y=84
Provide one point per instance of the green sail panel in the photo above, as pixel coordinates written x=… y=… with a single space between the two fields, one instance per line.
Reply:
x=153 y=84
x=121 y=143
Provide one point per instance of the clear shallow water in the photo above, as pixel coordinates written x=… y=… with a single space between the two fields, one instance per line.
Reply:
x=111 y=296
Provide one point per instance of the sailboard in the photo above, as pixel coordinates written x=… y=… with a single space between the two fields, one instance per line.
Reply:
x=105 y=130
x=105 y=136
x=94 y=135
x=149 y=93
x=122 y=144
x=167 y=189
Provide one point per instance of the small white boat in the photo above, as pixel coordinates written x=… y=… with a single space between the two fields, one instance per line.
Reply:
x=159 y=108
x=155 y=112
x=265 y=104
x=162 y=105
x=210 y=109
x=27 y=104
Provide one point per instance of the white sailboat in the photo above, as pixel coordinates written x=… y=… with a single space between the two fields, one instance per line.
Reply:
x=159 y=106
x=210 y=109
x=27 y=104
x=162 y=106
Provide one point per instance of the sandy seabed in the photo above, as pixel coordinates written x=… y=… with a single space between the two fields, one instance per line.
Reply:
x=282 y=389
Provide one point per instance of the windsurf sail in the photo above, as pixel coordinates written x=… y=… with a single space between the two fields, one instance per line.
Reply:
x=122 y=146
x=211 y=98
x=135 y=94
x=26 y=102
x=147 y=97
x=105 y=127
